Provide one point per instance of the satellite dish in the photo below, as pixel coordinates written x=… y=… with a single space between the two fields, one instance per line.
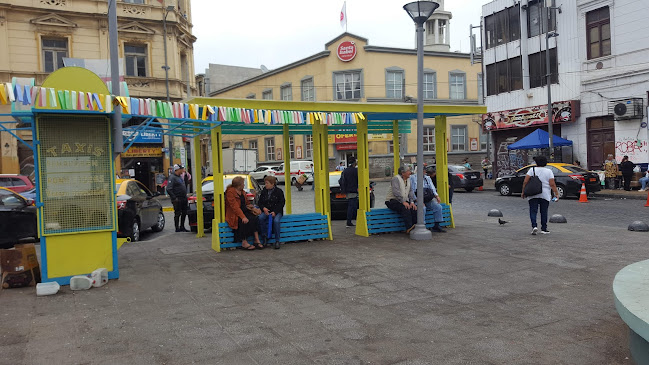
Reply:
x=619 y=109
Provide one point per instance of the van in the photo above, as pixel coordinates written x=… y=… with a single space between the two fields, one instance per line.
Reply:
x=297 y=168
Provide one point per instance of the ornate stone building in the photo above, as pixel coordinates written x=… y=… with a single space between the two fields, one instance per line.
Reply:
x=37 y=35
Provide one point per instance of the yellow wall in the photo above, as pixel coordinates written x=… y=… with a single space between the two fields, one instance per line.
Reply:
x=373 y=65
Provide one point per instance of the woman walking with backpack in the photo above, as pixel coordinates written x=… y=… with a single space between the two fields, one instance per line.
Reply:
x=537 y=188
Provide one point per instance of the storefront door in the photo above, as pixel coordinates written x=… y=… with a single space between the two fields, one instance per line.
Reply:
x=601 y=141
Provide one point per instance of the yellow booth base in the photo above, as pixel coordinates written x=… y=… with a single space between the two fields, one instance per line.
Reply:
x=78 y=254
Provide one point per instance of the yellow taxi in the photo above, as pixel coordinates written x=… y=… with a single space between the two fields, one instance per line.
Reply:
x=251 y=187
x=568 y=178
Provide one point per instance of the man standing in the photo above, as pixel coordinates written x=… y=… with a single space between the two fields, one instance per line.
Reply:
x=431 y=199
x=349 y=186
x=178 y=194
x=341 y=167
x=610 y=171
x=400 y=198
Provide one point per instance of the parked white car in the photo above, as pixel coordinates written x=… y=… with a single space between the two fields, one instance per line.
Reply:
x=261 y=172
x=297 y=167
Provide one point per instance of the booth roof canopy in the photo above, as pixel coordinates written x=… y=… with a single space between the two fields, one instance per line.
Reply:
x=538 y=139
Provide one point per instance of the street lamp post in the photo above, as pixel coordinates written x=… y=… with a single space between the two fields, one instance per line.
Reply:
x=165 y=12
x=548 y=79
x=420 y=11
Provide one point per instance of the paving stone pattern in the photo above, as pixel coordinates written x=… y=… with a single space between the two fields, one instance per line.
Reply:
x=480 y=294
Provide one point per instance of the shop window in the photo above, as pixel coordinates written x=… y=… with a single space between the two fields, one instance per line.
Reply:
x=598 y=33
x=308 y=89
x=54 y=50
x=270 y=148
x=457 y=85
x=538 y=21
x=291 y=146
x=430 y=85
x=502 y=27
x=308 y=145
x=458 y=138
x=135 y=57
x=537 y=68
x=504 y=76
x=252 y=144
x=429 y=139
x=347 y=85
x=480 y=87
x=286 y=92
x=394 y=84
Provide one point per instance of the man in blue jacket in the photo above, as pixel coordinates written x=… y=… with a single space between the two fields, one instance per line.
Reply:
x=349 y=186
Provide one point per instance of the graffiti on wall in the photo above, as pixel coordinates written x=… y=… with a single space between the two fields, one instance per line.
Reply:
x=508 y=161
x=637 y=150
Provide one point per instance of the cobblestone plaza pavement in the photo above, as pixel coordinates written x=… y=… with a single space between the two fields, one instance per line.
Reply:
x=479 y=294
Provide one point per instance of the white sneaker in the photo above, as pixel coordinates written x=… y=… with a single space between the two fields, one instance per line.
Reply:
x=545 y=232
x=642 y=190
x=534 y=230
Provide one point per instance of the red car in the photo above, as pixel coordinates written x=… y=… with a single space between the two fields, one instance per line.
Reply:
x=16 y=183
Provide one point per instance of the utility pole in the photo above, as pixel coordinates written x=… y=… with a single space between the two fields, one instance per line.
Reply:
x=548 y=74
x=118 y=139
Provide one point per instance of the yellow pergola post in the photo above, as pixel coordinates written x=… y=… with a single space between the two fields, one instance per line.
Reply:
x=219 y=196
x=396 y=148
x=441 y=157
x=287 y=169
x=199 y=188
x=363 y=178
x=321 y=172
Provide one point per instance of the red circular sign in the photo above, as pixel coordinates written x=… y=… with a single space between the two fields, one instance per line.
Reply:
x=347 y=51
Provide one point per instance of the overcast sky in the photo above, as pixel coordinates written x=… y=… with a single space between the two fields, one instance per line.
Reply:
x=251 y=33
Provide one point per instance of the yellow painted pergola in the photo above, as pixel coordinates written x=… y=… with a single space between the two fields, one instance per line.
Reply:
x=376 y=118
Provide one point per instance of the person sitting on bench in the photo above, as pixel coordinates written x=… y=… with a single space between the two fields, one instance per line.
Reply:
x=431 y=199
x=401 y=199
x=271 y=202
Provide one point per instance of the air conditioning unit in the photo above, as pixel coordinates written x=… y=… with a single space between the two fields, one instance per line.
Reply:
x=626 y=108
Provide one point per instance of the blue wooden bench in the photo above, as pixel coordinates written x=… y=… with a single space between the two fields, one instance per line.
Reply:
x=387 y=221
x=294 y=228
x=631 y=295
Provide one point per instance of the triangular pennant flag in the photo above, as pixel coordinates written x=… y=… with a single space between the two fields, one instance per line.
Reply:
x=210 y=110
x=61 y=99
x=97 y=100
x=108 y=103
x=135 y=106
x=42 y=97
x=27 y=98
x=35 y=93
x=73 y=100
x=170 y=112
x=18 y=93
x=3 y=94
x=52 y=95
x=10 y=92
x=81 y=97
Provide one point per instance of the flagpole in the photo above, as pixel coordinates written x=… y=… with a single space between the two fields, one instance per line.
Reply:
x=345 y=16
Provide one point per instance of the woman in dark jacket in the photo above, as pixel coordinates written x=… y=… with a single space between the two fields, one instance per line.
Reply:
x=626 y=168
x=240 y=215
x=271 y=203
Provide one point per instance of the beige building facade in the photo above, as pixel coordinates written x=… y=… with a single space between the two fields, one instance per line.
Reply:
x=36 y=36
x=350 y=69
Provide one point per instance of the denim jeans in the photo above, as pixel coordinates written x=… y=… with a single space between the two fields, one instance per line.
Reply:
x=352 y=206
x=534 y=207
x=263 y=224
x=644 y=181
x=436 y=208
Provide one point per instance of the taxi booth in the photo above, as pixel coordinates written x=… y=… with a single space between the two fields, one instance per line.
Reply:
x=264 y=117
x=69 y=118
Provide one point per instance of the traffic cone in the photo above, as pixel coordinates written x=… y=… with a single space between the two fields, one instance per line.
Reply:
x=480 y=188
x=583 y=197
x=647 y=205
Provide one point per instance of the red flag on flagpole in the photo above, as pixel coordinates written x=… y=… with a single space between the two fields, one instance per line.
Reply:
x=343 y=16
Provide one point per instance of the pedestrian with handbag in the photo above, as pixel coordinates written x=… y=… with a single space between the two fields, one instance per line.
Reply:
x=537 y=188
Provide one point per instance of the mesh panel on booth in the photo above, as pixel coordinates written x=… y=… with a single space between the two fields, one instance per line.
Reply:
x=75 y=173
